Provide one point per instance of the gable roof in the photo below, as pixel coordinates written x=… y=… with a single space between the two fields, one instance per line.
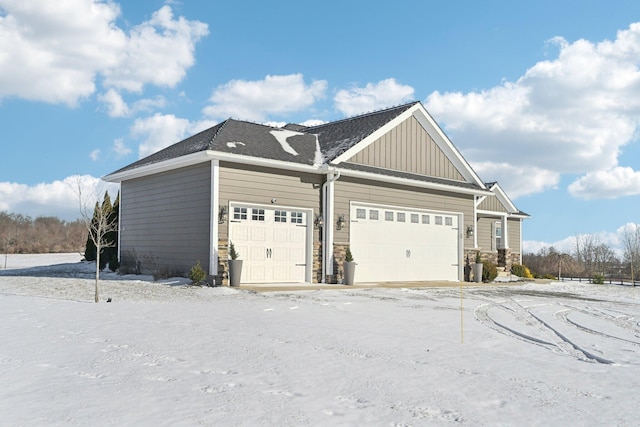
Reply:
x=298 y=147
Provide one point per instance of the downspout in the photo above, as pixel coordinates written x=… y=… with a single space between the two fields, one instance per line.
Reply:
x=327 y=214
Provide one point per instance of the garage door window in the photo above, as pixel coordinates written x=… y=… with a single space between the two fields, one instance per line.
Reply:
x=257 y=214
x=373 y=214
x=448 y=221
x=239 y=213
x=438 y=220
x=280 y=216
x=401 y=217
x=296 y=217
x=415 y=218
x=388 y=216
x=425 y=219
x=361 y=214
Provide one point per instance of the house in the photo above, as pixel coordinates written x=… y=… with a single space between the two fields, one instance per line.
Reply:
x=389 y=184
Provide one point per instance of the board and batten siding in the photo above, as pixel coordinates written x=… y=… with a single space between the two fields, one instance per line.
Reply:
x=349 y=190
x=259 y=185
x=165 y=219
x=491 y=203
x=408 y=148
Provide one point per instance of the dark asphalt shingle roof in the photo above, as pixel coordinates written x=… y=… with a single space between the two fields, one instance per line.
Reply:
x=304 y=145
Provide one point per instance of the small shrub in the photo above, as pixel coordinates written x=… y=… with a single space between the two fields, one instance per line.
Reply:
x=478 y=257
x=232 y=251
x=114 y=264
x=489 y=271
x=597 y=279
x=521 y=271
x=550 y=277
x=197 y=275
x=348 y=256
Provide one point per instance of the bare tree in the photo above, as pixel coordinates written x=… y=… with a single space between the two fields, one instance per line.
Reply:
x=99 y=226
x=631 y=243
x=595 y=256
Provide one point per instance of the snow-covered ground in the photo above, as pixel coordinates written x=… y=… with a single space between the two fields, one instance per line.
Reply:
x=172 y=354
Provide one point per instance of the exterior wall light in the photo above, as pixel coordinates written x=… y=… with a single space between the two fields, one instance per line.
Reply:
x=222 y=215
x=469 y=231
x=340 y=222
x=319 y=222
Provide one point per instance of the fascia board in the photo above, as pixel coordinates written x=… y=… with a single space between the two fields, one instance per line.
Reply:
x=491 y=213
x=412 y=183
x=163 y=166
x=374 y=136
x=445 y=144
x=507 y=214
x=205 y=156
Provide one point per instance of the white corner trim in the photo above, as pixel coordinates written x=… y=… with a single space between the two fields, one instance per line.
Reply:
x=214 y=226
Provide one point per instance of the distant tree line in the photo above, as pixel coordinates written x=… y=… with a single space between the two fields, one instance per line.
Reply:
x=590 y=257
x=20 y=234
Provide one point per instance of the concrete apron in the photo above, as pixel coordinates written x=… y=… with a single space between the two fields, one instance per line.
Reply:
x=278 y=287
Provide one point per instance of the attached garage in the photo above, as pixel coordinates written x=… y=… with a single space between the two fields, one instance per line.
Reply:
x=395 y=243
x=273 y=242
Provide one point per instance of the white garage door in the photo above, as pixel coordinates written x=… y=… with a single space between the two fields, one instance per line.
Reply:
x=395 y=244
x=271 y=242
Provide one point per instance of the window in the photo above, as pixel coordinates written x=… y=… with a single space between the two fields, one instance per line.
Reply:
x=448 y=221
x=373 y=214
x=438 y=220
x=257 y=214
x=401 y=216
x=425 y=219
x=280 y=216
x=239 y=213
x=361 y=213
x=388 y=216
x=296 y=217
x=415 y=218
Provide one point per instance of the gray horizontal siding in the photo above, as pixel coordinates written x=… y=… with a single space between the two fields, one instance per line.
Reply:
x=485 y=234
x=166 y=218
x=349 y=190
x=260 y=185
x=409 y=148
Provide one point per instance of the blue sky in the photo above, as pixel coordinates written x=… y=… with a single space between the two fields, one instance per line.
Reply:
x=543 y=96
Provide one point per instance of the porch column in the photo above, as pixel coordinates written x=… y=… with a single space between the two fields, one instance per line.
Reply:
x=505 y=232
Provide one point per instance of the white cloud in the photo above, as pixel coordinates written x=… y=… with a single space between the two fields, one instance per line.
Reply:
x=57 y=198
x=571 y=114
x=95 y=154
x=609 y=184
x=568 y=244
x=383 y=94
x=120 y=149
x=255 y=100
x=53 y=51
x=115 y=105
x=161 y=130
x=517 y=180
x=157 y=52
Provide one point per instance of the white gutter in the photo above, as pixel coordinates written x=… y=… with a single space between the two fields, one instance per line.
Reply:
x=327 y=228
x=206 y=156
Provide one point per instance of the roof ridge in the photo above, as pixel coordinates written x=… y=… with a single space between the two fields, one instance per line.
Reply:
x=369 y=113
x=213 y=137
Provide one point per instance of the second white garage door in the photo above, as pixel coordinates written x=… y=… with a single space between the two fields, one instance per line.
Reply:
x=396 y=244
x=271 y=242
